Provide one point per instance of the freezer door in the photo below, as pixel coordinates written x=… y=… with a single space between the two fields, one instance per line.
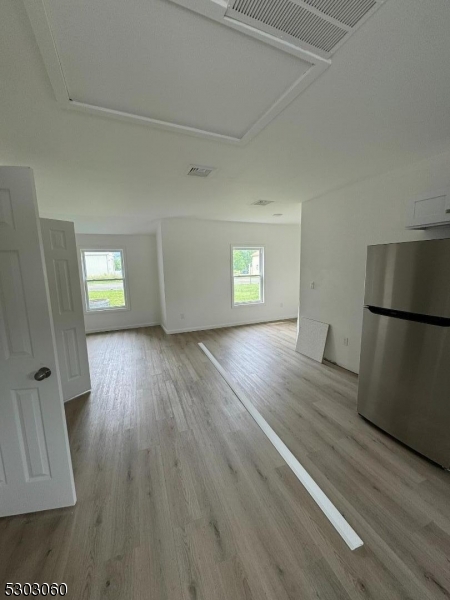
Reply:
x=412 y=277
x=404 y=382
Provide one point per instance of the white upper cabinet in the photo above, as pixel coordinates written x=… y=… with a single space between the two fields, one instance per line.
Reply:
x=430 y=210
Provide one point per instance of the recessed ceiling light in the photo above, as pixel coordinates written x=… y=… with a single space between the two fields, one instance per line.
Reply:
x=278 y=215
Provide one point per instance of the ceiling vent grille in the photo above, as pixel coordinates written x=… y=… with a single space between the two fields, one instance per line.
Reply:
x=262 y=202
x=294 y=20
x=348 y=12
x=198 y=171
x=320 y=24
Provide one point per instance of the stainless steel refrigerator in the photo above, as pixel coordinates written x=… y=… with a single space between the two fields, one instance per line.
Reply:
x=404 y=380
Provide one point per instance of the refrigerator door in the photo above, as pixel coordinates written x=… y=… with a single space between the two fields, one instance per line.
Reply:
x=412 y=277
x=404 y=382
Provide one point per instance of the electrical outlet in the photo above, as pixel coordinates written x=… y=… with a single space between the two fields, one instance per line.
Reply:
x=182 y=316
x=345 y=341
x=312 y=285
x=281 y=304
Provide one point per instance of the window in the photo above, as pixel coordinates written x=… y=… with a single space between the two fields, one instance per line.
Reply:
x=104 y=279
x=247 y=275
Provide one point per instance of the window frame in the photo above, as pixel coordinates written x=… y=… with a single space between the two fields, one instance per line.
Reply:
x=261 y=249
x=94 y=311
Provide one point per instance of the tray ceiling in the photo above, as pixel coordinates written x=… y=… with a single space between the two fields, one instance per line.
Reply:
x=157 y=63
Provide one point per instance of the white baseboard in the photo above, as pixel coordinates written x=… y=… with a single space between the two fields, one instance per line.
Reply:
x=336 y=364
x=121 y=327
x=223 y=325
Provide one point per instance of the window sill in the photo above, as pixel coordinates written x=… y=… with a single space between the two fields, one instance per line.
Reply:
x=248 y=304
x=106 y=310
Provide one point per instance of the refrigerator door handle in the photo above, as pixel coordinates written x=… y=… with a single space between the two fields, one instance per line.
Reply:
x=408 y=316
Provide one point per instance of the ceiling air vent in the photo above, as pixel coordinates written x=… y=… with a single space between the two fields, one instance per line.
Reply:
x=262 y=202
x=198 y=171
x=348 y=12
x=320 y=24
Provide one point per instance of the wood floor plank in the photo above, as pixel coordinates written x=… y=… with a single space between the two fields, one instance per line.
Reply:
x=155 y=568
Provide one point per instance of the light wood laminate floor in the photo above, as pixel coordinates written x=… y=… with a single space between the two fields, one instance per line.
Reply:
x=182 y=497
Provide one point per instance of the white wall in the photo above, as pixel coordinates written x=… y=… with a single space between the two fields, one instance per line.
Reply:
x=196 y=259
x=142 y=277
x=336 y=230
x=162 y=287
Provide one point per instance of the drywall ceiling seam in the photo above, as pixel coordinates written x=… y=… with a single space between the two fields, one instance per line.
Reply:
x=348 y=534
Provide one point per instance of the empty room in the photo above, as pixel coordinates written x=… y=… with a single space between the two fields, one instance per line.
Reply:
x=225 y=299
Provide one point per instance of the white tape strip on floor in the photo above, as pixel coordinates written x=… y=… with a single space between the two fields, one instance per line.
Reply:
x=347 y=533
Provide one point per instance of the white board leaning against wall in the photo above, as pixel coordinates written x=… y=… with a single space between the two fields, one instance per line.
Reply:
x=311 y=338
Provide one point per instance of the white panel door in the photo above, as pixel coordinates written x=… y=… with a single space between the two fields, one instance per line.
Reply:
x=35 y=464
x=61 y=260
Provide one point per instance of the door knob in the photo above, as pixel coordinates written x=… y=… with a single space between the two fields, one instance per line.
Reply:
x=42 y=374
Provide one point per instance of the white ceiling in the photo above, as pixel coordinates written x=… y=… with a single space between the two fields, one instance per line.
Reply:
x=158 y=60
x=383 y=103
